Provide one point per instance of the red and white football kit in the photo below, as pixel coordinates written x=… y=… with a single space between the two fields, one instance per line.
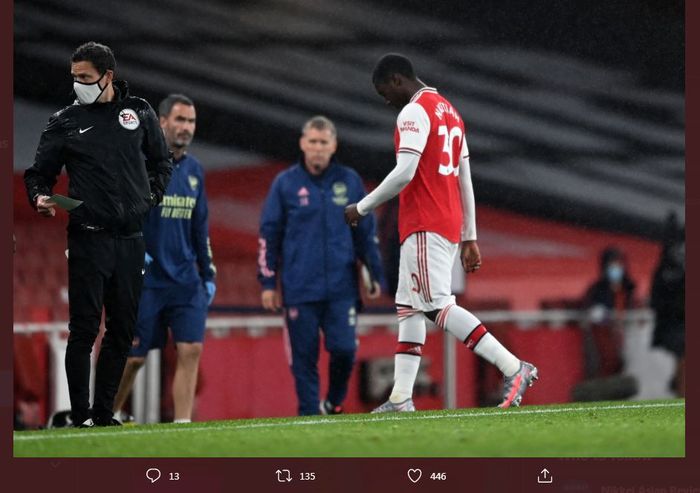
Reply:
x=436 y=207
x=436 y=212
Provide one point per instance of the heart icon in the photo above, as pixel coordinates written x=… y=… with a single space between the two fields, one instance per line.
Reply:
x=414 y=475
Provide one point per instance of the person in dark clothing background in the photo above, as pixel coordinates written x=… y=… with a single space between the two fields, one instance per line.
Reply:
x=607 y=300
x=668 y=299
x=614 y=289
x=118 y=166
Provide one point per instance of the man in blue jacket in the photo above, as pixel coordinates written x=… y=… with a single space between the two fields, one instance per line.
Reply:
x=179 y=281
x=303 y=235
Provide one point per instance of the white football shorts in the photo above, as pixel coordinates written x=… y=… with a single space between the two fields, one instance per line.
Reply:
x=425 y=271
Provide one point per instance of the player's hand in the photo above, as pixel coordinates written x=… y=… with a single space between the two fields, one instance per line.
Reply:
x=372 y=288
x=375 y=292
x=45 y=206
x=470 y=256
x=271 y=300
x=211 y=291
x=351 y=215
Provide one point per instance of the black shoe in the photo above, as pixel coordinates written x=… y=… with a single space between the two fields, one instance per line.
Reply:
x=60 y=419
x=107 y=422
x=88 y=423
x=68 y=423
x=327 y=408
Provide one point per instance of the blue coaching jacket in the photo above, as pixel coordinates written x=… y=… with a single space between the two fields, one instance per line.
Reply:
x=177 y=231
x=303 y=234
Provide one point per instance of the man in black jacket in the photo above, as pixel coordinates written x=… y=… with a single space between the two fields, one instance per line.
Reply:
x=118 y=166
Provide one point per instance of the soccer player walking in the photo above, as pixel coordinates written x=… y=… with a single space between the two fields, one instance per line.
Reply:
x=436 y=221
x=180 y=274
x=118 y=166
x=303 y=235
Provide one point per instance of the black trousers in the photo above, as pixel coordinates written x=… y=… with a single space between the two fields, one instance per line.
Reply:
x=104 y=269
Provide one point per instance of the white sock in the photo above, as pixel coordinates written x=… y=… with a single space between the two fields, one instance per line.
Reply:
x=494 y=352
x=182 y=421
x=411 y=338
x=411 y=325
x=457 y=321
x=405 y=372
x=461 y=323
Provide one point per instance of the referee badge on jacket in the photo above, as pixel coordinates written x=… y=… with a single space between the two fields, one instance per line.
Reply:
x=129 y=119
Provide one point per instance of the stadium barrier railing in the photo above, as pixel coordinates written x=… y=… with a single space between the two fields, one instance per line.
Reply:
x=638 y=326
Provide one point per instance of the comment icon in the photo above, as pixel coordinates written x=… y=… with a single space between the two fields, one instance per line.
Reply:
x=153 y=474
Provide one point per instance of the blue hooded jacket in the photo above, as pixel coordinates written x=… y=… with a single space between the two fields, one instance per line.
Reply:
x=303 y=234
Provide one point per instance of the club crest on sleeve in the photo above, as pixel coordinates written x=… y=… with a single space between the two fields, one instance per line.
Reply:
x=129 y=119
x=194 y=182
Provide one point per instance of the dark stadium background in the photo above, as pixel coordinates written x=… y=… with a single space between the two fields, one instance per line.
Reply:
x=642 y=39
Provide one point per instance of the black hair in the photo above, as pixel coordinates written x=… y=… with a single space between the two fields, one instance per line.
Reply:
x=611 y=254
x=390 y=64
x=101 y=56
x=166 y=106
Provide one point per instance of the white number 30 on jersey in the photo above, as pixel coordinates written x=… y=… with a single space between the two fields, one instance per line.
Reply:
x=449 y=137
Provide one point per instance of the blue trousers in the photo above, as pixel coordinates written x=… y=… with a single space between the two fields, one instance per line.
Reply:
x=337 y=320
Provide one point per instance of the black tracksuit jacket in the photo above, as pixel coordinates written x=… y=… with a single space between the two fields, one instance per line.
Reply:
x=116 y=158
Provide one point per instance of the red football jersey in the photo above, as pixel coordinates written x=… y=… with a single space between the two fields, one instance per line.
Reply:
x=431 y=127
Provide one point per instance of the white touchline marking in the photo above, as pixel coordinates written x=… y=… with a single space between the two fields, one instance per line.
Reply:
x=329 y=421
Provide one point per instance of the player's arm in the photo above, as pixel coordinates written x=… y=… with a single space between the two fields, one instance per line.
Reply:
x=469 y=252
x=201 y=242
x=393 y=183
x=158 y=163
x=40 y=178
x=413 y=124
x=272 y=225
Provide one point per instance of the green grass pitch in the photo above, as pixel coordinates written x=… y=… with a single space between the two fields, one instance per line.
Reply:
x=600 y=429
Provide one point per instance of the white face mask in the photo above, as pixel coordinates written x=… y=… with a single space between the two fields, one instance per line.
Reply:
x=615 y=273
x=88 y=93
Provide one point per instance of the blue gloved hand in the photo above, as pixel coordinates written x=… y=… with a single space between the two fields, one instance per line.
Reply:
x=211 y=291
x=147 y=259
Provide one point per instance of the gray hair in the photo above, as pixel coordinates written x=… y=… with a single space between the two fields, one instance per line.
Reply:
x=319 y=122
